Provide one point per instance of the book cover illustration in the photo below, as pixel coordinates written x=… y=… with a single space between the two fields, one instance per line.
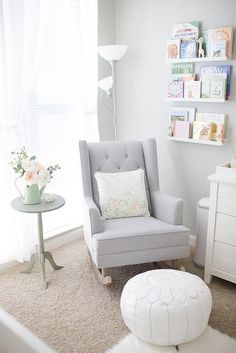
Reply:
x=181 y=114
x=182 y=68
x=214 y=86
x=192 y=89
x=175 y=89
x=181 y=129
x=173 y=47
x=188 y=49
x=216 y=69
x=223 y=33
x=218 y=121
x=184 y=77
x=186 y=30
x=202 y=130
x=218 y=48
x=177 y=115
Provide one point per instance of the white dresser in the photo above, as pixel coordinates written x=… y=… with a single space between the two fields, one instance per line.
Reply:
x=221 y=236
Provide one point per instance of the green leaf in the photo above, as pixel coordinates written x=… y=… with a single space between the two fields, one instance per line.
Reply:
x=32 y=158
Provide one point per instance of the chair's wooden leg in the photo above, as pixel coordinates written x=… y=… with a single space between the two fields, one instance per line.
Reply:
x=100 y=273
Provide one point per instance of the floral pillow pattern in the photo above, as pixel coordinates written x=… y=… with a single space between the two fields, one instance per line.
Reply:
x=122 y=194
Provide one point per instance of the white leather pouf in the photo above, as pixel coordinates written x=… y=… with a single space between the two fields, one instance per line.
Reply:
x=166 y=307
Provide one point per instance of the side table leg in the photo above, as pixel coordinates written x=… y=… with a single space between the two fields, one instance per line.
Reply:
x=33 y=260
x=41 y=249
x=49 y=257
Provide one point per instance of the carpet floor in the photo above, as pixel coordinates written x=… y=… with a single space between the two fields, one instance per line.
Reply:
x=78 y=315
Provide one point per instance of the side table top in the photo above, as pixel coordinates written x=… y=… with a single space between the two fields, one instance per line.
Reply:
x=44 y=206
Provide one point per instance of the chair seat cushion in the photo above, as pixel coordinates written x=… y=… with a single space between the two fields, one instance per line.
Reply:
x=138 y=233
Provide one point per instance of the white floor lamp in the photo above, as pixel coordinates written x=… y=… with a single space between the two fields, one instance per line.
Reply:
x=111 y=53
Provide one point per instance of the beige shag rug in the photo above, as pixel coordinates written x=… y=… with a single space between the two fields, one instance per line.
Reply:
x=76 y=314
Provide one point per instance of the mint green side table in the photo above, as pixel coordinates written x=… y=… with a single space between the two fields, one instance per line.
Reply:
x=40 y=254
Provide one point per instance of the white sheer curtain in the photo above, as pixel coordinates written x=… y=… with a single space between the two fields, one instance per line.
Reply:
x=48 y=102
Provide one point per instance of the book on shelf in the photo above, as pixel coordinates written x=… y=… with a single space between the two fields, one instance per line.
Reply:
x=192 y=89
x=222 y=33
x=218 y=124
x=182 y=68
x=186 y=30
x=175 y=89
x=184 y=77
x=181 y=114
x=205 y=43
x=172 y=49
x=217 y=69
x=181 y=129
x=188 y=48
x=202 y=130
x=218 y=48
x=214 y=86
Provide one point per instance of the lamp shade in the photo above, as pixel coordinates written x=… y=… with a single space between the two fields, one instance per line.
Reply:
x=106 y=83
x=112 y=52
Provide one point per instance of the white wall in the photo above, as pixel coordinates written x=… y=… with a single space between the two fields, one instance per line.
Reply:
x=105 y=37
x=142 y=75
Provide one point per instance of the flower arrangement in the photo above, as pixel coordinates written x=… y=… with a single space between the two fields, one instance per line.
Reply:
x=32 y=171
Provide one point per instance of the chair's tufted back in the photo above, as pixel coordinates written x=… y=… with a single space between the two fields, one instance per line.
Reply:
x=118 y=156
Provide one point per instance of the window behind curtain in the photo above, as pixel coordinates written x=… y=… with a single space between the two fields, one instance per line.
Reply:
x=61 y=107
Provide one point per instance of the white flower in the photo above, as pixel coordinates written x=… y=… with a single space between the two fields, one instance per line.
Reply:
x=29 y=166
x=43 y=177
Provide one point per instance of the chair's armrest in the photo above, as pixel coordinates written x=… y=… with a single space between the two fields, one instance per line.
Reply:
x=167 y=208
x=94 y=216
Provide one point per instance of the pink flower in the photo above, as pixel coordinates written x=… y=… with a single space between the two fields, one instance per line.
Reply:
x=30 y=178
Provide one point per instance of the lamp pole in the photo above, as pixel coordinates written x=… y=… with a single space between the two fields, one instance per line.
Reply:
x=114 y=96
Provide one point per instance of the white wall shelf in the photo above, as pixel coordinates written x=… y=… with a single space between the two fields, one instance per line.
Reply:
x=203 y=100
x=189 y=140
x=198 y=60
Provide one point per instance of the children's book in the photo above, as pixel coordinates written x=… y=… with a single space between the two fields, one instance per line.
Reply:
x=218 y=86
x=184 y=77
x=175 y=89
x=173 y=47
x=205 y=45
x=181 y=129
x=223 y=33
x=218 y=48
x=188 y=48
x=181 y=114
x=202 y=130
x=186 y=30
x=182 y=68
x=216 y=69
x=214 y=86
x=218 y=121
x=192 y=89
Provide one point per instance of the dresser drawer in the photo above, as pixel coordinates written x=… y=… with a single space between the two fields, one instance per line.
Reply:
x=224 y=258
x=226 y=202
x=225 y=229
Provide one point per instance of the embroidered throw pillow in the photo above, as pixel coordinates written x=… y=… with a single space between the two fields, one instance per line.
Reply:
x=122 y=194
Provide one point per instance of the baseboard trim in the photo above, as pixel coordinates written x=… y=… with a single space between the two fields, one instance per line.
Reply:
x=192 y=240
x=54 y=242
x=64 y=238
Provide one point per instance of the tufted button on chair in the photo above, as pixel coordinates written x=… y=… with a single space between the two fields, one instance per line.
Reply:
x=127 y=241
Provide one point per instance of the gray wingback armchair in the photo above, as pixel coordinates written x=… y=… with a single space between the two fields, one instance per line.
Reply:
x=126 y=241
